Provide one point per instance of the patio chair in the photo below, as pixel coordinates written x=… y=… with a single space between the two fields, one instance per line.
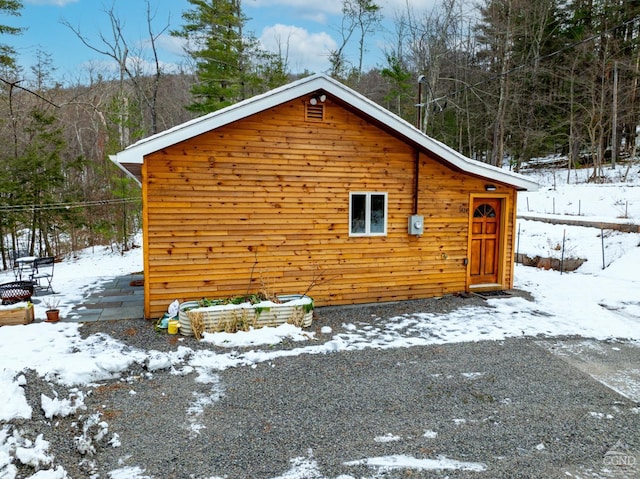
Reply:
x=23 y=267
x=16 y=292
x=43 y=273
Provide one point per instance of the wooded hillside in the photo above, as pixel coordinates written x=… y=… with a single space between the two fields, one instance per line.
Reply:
x=509 y=80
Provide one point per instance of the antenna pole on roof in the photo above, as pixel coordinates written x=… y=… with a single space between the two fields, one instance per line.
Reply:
x=419 y=105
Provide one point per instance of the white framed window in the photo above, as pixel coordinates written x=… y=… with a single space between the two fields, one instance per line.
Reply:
x=367 y=214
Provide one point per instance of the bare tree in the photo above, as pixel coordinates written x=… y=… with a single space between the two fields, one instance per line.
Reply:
x=365 y=15
x=431 y=36
x=130 y=67
x=339 y=64
x=498 y=36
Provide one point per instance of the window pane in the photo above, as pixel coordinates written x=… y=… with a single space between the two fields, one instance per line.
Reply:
x=377 y=213
x=484 y=211
x=358 y=208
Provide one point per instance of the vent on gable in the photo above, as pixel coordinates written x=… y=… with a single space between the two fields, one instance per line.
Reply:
x=315 y=112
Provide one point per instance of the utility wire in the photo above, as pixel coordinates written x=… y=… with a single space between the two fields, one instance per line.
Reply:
x=65 y=206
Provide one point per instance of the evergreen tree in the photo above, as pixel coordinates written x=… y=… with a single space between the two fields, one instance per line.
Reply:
x=227 y=61
x=7 y=53
x=400 y=83
x=37 y=175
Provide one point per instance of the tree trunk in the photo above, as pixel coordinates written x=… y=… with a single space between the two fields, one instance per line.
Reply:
x=497 y=153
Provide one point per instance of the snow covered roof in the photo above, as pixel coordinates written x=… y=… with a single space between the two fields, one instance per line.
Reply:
x=132 y=157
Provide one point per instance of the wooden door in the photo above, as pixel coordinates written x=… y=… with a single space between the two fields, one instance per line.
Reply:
x=485 y=241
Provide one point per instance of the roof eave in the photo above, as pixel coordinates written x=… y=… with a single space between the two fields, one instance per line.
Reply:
x=136 y=152
x=124 y=168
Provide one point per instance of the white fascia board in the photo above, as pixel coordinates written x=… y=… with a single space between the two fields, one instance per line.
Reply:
x=136 y=152
x=114 y=159
x=445 y=152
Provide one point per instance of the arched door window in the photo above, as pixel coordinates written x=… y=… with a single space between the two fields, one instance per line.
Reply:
x=484 y=211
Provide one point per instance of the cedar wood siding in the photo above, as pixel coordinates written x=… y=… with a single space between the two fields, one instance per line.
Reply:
x=263 y=204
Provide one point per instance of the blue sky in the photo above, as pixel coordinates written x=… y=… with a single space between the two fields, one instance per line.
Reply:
x=307 y=27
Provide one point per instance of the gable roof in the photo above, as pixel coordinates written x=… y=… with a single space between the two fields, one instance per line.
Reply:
x=132 y=157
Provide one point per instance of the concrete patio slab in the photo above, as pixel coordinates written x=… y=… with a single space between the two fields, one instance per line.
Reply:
x=118 y=298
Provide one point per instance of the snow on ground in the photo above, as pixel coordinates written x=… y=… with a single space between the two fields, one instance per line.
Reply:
x=75 y=277
x=608 y=201
x=595 y=302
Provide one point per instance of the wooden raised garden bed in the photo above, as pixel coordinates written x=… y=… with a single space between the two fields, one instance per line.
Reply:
x=196 y=319
x=19 y=313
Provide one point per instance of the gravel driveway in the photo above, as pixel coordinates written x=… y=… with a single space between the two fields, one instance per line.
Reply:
x=490 y=409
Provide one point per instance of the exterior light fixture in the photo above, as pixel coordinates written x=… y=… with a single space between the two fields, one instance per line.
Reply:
x=318 y=98
x=490 y=187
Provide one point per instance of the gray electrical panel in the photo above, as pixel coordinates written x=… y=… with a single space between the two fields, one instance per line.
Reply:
x=416 y=225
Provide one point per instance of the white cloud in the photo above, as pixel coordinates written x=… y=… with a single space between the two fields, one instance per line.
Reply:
x=304 y=50
x=148 y=67
x=171 y=44
x=330 y=7
x=57 y=3
x=109 y=68
x=401 y=5
x=320 y=10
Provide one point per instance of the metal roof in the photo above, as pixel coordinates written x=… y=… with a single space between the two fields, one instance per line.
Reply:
x=135 y=153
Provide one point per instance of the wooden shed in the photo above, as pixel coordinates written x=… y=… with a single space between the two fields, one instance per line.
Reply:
x=313 y=187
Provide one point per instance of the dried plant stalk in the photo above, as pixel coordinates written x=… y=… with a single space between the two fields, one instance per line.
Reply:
x=232 y=321
x=196 y=318
x=297 y=317
x=245 y=318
